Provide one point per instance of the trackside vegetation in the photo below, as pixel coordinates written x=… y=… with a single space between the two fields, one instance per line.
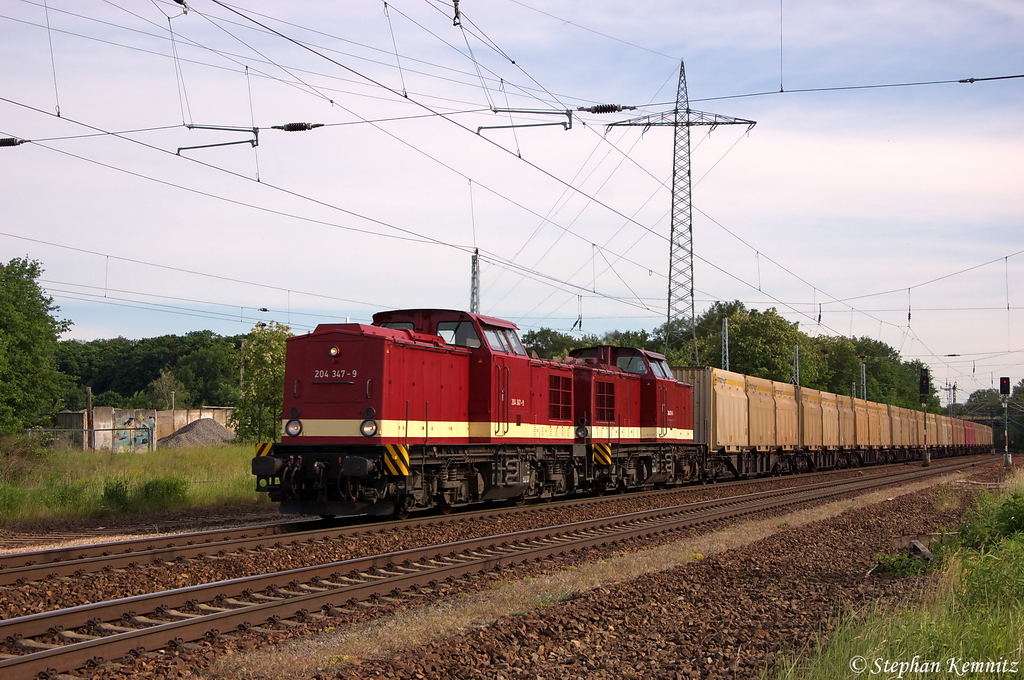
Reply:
x=970 y=624
x=38 y=484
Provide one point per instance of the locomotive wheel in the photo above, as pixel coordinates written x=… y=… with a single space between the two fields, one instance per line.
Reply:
x=444 y=507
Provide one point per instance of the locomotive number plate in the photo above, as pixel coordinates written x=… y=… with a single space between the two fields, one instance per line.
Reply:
x=334 y=373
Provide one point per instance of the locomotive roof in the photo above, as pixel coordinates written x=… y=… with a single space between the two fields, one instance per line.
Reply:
x=649 y=354
x=488 y=320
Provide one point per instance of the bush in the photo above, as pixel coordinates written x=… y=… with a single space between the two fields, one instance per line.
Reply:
x=19 y=457
x=163 y=493
x=903 y=564
x=12 y=498
x=992 y=521
x=117 y=494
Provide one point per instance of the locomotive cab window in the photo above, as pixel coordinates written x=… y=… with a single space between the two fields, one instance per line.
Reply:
x=661 y=370
x=633 y=364
x=458 y=333
x=502 y=340
x=399 y=325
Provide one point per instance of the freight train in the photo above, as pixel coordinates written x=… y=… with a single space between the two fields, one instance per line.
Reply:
x=434 y=408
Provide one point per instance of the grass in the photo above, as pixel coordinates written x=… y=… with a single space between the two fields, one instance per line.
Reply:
x=973 y=613
x=41 y=484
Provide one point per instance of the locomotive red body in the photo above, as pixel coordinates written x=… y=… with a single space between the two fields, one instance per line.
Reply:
x=440 y=408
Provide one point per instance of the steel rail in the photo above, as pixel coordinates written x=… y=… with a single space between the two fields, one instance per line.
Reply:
x=369 y=576
x=18 y=568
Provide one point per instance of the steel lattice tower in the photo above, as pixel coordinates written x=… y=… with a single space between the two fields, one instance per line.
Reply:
x=474 y=285
x=680 y=275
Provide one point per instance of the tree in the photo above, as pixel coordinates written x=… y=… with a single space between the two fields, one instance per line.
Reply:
x=167 y=392
x=30 y=384
x=210 y=374
x=548 y=343
x=257 y=417
x=122 y=369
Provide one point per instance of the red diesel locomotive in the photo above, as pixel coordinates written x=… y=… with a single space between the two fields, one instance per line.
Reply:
x=431 y=407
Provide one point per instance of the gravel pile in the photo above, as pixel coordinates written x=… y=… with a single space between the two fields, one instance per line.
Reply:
x=202 y=432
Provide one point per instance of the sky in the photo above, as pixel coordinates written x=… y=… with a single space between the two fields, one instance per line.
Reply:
x=873 y=186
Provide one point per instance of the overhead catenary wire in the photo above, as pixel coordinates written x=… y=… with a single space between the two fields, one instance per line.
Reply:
x=602 y=254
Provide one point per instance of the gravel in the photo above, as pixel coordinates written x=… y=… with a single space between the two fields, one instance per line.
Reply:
x=202 y=432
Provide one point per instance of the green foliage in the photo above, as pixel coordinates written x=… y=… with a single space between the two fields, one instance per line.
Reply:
x=257 y=417
x=30 y=384
x=903 y=564
x=992 y=520
x=20 y=456
x=167 y=392
x=123 y=372
x=72 y=483
x=122 y=495
x=12 y=498
x=548 y=343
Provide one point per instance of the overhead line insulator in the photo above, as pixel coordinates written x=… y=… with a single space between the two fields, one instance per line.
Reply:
x=297 y=127
x=11 y=141
x=606 y=108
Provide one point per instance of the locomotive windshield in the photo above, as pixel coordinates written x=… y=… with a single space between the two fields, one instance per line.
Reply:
x=631 y=364
x=458 y=333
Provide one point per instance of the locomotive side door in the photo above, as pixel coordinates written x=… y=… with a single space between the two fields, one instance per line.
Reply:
x=510 y=384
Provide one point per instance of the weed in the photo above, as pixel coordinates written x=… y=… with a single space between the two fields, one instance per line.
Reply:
x=904 y=564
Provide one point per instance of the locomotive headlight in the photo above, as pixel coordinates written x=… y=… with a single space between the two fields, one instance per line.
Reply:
x=293 y=428
x=334 y=351
x=582 y=432
x=368 y=428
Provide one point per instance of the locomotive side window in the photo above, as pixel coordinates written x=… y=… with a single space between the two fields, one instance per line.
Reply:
x=660 y=369
x=503 y=340
x=496 y=339
x=399 y=325
x=513 y=340
x=605 y=402
x=559 y=397
x=458 y=333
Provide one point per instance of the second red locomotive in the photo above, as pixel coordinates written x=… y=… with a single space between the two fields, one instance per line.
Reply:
x=431 y=407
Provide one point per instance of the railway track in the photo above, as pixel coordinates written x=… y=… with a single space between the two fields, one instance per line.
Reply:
x=42 y=645
x=20 y=568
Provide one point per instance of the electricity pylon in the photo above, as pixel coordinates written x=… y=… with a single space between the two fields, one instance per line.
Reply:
x=680 y=271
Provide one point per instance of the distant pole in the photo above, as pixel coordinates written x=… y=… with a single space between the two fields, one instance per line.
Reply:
x=863 y=381
x=89 y=420
x=725 y=343
x=796 y=365
x=924 y=391
x=1007 y=458
x=474 y=286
